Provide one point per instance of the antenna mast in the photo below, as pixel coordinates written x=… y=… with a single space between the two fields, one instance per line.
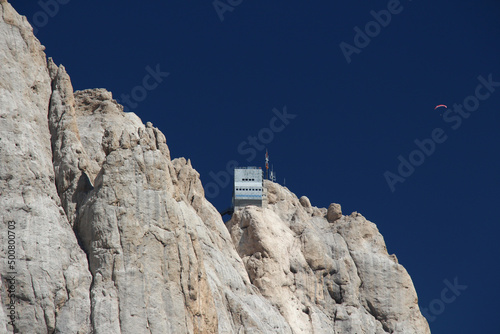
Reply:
x=273 y=174
x=267 y=165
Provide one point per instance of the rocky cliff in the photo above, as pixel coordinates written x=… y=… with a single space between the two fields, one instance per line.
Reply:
x=108 y=234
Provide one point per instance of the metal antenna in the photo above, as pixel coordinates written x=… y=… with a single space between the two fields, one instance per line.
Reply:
x=267 y=165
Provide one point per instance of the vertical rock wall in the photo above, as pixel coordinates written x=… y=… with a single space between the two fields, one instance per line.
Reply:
x=52 y=280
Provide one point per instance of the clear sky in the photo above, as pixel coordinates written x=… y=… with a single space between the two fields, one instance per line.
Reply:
x=357 y=94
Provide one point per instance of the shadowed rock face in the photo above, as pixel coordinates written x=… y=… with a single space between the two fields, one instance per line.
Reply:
x=113 y=236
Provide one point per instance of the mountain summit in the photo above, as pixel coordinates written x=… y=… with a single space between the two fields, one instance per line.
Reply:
x=111 y=235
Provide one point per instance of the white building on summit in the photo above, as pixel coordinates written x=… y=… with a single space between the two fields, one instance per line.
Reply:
x=248 y=186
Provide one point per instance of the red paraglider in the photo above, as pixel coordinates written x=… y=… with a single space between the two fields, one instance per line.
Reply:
x=440 y=105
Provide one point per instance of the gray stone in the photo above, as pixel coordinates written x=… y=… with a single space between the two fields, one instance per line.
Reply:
x=334 y=212
x=306 y=203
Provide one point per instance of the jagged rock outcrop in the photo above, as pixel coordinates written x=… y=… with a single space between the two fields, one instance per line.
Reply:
x=324 y=274
x=155 y=245
x=113 y=236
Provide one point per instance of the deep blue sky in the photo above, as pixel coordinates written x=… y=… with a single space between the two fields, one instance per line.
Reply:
x=353 y=120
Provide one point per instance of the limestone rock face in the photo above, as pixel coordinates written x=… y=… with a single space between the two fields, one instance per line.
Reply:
x=75 y=167
x=52 y=281
x=71 y=163
x=113 y=236
x=324 y=277
x=145 y=258
x=156 y=246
